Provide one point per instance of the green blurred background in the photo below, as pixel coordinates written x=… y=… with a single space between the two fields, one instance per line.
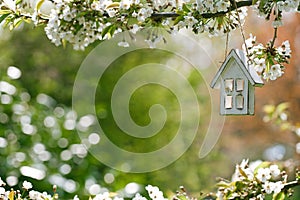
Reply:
x=52 y=149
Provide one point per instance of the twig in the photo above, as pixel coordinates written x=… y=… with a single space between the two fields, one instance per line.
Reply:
x=274 y=38
x=291 y=184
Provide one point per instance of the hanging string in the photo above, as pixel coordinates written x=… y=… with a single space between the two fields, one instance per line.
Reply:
x=226 y=45
x=243 y=35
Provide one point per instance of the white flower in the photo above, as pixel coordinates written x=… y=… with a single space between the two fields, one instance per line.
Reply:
x=154 y=192
x=125 y=4
x=153 y=41
x=263 y=174
x=104 y=196
x=209 y=5
x=259 y=64
x=75 y=197
x=250 y=41
x=222 y=6
x=95 y=5
x=105 y=3
x=237 y=176
x=134 y=14
x=118 y=198
x=275 y=171
x=159 y=3
x=190 y=21
x=257 y=49
x=2 y=183
x=254 y=164
x=34 y=194
x=260 y=197
x=268 y=75
x=27 y=185
x=244 y=163
x=135 y=1
x=111 y=12
x=166 y=22
x=220 y=195
x=135 y=28
x=2 y=191
x=123 y=44
x=284 y=49
x=276 y=70
x=138 y=197
x=68 y=15
x=268 y=187
x=277 y=187
x=143 y=14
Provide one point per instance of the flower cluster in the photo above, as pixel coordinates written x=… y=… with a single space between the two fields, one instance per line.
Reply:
x=81 y=22
x=154 y=193
x=267 y=60
x=269 y=7
x=224 y=23
x=26 y=194
x=254 y=181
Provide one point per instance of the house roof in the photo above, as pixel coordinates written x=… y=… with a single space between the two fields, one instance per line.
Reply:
x=240 y=58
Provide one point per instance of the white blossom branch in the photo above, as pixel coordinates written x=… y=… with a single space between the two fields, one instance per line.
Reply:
x=234 y=6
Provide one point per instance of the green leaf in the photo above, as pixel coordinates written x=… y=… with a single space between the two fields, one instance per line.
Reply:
x=279 y=196
x=27 y=20
x=242 y=172
x=262 y=4
x=18 y=2
x=39 y=4
x=106 y=30
x=113 y=5
x=81 y=14
x=3 y=17
x=3 y=12
x=185 y=8
x=112 y=30
x=282 y=107
x=64 y=43
x=223 y=184
x=17 y=22
x=239 y=185
x=178 y=19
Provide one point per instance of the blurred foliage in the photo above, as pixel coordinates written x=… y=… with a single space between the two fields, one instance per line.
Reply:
x=46 y=67
x=57 y=150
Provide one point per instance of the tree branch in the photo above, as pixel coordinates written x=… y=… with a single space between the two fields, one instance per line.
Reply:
x=234 y=6
x=291 y=184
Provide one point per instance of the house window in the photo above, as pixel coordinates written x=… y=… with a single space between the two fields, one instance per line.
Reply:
x=239 y=85
x=228 y=102
x=239 y=101
x=229 y=85
x=233 y=93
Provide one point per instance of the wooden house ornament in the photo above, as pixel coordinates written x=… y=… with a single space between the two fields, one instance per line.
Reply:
x=236 y=83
